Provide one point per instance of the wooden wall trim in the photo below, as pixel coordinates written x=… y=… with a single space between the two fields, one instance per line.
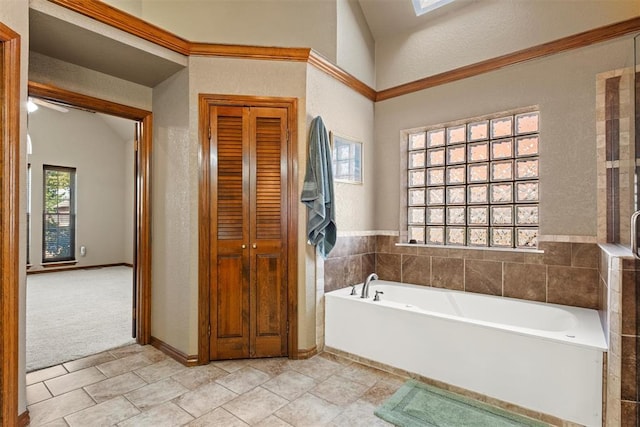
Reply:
x=138 y=27
x=342 y=76
x=250 y=52
x=126 y=22
x=24 y=419
x=306 y=353
x=564 y=44
x=174 y=353
x=142 y=252
x=9 y=223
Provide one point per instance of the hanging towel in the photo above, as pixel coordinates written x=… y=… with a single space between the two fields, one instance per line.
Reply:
x=317 y=192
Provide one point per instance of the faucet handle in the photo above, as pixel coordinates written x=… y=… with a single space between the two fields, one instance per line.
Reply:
x=353 y=290
x=377 y=297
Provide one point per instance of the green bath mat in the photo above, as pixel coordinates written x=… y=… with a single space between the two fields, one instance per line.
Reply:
x=417 y=404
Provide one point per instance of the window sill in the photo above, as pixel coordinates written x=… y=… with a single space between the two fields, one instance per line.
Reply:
x=58 y=263
x=481 y=248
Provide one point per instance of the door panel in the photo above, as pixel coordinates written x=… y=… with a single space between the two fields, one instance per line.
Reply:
x=229 y=229
x=248 y=231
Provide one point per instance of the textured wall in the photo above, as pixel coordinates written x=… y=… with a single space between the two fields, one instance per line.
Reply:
x=43 y=69
x=355 y=44
x=487 y=29
x=563 y=86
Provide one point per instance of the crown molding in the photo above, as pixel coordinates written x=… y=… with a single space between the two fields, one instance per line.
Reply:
x=564 y=44
x=114 y=17
x=126 y=22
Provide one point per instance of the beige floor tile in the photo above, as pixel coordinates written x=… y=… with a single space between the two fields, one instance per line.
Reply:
x=167 y=414
x=60 y=422
x=127 y=350
x=45 y=374
x=255 y=405
x=59 y=406
x=153 y=354
x=37 y=393
x=218 y=417
x=89 y=361
x=272 y=366
x=316 y=367
x=156 y=393
x=112 y=387
x=339 y=390
x=272 y=421
x=160 y=370
x=359 y=414
x=104 y=414
x=336 y=358
x=308 y=410
x=244 y=379
x=198 y=376
x=381 y=391
x=125 y=364
x=232 y=365
x=204 y=399
x=74 y=380
x=362 y=374
x=290 y=384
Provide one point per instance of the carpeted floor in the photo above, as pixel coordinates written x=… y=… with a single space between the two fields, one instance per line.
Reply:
x=77 y=313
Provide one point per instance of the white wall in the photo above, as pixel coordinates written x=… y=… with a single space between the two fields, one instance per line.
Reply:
x=487 y=29
x=83 y=141
x=564 y=87
x=355 y=44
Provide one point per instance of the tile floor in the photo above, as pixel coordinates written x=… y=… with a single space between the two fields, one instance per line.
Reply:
x=141 y=386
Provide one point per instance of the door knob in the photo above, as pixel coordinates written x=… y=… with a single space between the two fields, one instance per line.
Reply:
x=244 y=246
x=255 y=246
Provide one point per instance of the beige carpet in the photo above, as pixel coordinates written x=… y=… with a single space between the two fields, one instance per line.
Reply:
x=77 y=313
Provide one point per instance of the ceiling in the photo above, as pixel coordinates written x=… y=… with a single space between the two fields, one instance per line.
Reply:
x=63 y=40
x=389 y=17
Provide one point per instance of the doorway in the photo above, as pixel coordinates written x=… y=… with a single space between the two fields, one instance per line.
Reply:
x=248 y=228
x=80 y=185
x=141 y=310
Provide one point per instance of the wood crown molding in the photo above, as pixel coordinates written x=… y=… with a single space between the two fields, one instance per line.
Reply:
x=133 y=25
x=126 y=22
x=564 y=44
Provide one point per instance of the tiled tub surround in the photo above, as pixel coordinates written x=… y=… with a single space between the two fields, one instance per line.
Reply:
x=566 y=273
x=619 y=273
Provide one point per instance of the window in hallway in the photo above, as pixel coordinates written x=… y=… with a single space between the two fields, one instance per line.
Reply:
x=59 y=214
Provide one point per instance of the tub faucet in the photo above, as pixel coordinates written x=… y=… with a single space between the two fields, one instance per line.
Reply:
x=367 y=282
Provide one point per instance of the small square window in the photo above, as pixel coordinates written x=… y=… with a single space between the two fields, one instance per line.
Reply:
x=435 y=196
x=416 y=178
x=478 y=236
x=417 y=159
x=527 y=123
x=478 y=131
x=416 y=141
x=502 y=127
x=435 y=157
x=416 y=197
x=435 y=235
x=478 y=172
x=455 y=235
x=435 y=176
x=478 y=215
x=435 y=138
x=417 y=234
x=435 y=216
x=456 y=134
x=456 y=175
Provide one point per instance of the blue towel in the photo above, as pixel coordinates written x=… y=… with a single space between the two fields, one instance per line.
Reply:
x=317 y=192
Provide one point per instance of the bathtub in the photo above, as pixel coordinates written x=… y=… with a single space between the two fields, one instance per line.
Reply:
x=544 y=357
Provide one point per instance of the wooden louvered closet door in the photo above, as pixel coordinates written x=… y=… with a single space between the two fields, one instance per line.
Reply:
x=248 y=306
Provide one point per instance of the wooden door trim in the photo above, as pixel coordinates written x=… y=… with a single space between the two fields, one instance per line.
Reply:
x=142 y=250
x=9 y=224
x=204 y=213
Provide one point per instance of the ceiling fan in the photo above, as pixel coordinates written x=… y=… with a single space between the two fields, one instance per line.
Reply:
x=34 y=103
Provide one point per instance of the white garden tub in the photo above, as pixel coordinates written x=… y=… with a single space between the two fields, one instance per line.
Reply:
x=544 y=357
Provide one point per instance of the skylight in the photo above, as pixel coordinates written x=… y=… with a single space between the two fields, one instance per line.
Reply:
x=424 y=6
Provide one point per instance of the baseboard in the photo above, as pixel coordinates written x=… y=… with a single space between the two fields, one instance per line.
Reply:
x=23 y=419
x=306 y=353
x=174 y=353
x=52 y=269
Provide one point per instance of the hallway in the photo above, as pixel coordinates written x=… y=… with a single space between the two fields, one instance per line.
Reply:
x=140 y=386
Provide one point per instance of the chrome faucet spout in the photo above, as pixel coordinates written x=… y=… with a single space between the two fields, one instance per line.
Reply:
x=367 y=282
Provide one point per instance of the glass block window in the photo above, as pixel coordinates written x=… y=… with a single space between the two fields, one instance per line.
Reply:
x=475 y=183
